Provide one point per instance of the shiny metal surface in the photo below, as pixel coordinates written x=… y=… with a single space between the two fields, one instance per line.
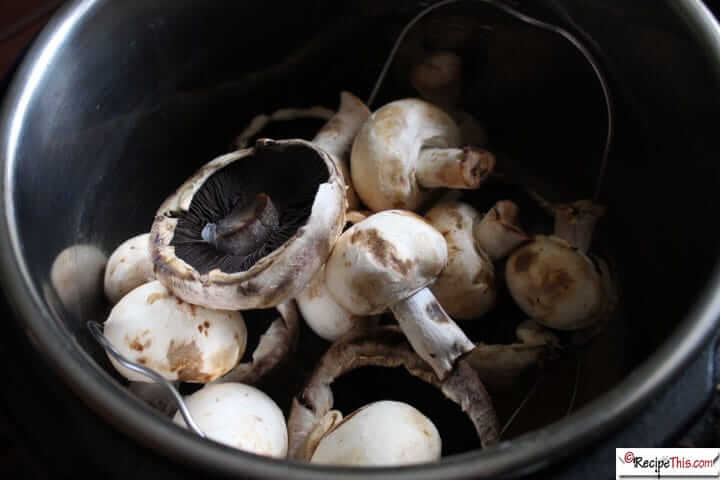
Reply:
x=118 y=102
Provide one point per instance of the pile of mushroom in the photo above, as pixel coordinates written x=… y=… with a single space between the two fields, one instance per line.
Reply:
x=348 y=231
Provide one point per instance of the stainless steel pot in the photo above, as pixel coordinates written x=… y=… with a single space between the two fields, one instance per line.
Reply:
x=117 y=102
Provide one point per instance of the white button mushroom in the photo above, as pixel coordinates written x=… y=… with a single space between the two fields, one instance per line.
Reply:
x=77 y=276
x=321 y=312
x=251 y=228
x=312 y=416
x=128 y=267
x=554 y=281
x=178 y=340
x=383 y=433
x=466 y=287
x=498 y=232
x=386 y=262
x=240 y=416
x=407 y=147
x=438 y=78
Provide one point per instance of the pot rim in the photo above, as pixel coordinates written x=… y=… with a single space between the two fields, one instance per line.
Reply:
x=126 y=413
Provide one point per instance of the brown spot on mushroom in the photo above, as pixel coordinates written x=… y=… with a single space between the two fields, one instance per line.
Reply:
x=193 y=312
x=138 y=345
x=555 y=282
x=523 y=261
x=248 y=288
x=187 y=360
x=154 y=297
x=367 y=287
x=142 y=360
x=483 y=277
x=315 y=289
x=436 y=313
x=382 y=250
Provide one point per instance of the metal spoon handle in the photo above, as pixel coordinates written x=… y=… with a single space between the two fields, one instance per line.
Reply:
x=97 y=332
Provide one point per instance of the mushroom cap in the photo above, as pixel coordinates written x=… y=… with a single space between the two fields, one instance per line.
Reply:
x=466 y=287
x=386 y=150
x=77 y=276
x=288 y=260
x=128 y=267
x=179 y=341
x=382 y=260
x=381 y=434
x=555 y=284
x=321 y=312
x=240 y=416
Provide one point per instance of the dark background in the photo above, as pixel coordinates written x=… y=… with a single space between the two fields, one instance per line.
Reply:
x=34 y=413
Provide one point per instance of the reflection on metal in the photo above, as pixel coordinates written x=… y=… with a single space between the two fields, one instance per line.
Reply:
x=535 y=23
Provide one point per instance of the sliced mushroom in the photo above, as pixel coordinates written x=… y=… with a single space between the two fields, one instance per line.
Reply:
x=128 y=267
x=240 y=416
x=466 y=286
x=251 y=228
x=312 y=416
x=274 y=348
x=554 y=281
x=386 y=262
x=178 y=340
x=384 y=433
x=407 y=147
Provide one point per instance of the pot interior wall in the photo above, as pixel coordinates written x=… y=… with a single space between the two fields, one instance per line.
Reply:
x=134 y=106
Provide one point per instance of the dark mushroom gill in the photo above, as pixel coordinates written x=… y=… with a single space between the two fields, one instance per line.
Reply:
x=289 y=174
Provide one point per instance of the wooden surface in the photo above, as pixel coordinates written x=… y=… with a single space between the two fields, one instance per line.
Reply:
x=20 y=21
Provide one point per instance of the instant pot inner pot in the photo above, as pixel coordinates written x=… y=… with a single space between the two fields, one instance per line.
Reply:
x=126 y=118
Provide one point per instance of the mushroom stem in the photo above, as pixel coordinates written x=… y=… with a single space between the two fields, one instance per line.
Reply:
x=499 y=366
x=275 y=346
x=436 y=338
x=312 y=415
x=575 y=222
x=499 y=233
x=245 y=229
x=337 y=135
x=464 y=168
